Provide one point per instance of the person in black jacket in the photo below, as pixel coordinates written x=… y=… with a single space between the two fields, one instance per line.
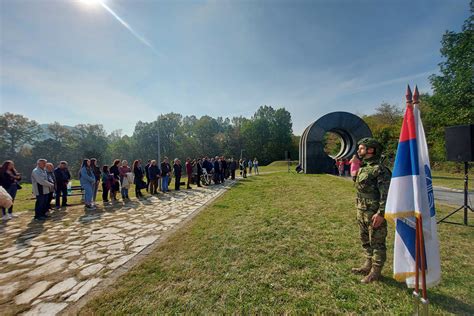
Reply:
x=116 y=181
x=217 y=171
x=154 y=176
x=9 y=179
x=165 y=174
x=223 y=168
x=177 y=170
x=138 y=180
x=63 y=176
x=233 y=167
x=147 y=166
x=199 y=172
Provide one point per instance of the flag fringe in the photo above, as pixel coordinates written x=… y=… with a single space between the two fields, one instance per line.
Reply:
x=392 y=217
x=402 y=276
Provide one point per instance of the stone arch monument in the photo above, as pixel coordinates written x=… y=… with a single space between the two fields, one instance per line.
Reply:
x=349 y=127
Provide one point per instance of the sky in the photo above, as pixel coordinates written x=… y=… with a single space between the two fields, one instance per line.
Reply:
x=128 y=60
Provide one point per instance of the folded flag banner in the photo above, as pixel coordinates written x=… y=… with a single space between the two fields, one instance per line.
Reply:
x=410 y=199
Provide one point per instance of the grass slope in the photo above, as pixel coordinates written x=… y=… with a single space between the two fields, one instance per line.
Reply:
x=280 y=243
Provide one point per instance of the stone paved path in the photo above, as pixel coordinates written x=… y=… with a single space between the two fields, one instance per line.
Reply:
x=44 y=267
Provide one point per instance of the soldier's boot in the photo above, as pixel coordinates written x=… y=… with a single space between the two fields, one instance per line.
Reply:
x=374 y=275
x=364 y=269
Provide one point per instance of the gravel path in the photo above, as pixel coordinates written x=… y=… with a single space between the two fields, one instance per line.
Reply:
x=47 y=266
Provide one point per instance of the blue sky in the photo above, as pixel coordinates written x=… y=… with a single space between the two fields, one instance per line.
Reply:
x=62 y=60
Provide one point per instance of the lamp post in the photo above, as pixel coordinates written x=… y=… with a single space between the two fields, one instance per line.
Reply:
x=159 y=149
x=241 y=151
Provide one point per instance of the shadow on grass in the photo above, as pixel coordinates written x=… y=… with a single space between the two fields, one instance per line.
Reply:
x=451 y=304
x=443 y=301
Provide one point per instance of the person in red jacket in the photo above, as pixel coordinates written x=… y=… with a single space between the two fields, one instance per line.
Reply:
x=189 y=172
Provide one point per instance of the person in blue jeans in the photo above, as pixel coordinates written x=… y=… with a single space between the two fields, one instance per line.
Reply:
x=87 y=180
x=165 y=173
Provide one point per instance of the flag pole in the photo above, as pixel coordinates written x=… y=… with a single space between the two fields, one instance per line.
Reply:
x=416 y=291
x=420 y=241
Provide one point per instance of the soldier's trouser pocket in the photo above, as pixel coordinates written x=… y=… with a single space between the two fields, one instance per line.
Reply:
x=372 y=239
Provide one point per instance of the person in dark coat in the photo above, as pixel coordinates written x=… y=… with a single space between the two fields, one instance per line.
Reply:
x=9 y=179
x=147 y=176
x=207 y=165
x=154 y=176
x=116 y=183
x=177 y=170
x=223 y=168
x=52 y=179
x=233 y=167
x=199 y=172
x=217 y=171
x=63 y=176
x=138 y=180
x=165 y=174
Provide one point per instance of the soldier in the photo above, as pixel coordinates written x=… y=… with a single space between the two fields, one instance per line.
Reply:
x=372 y=183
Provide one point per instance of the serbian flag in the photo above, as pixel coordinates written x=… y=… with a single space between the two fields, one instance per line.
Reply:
x=410 y=196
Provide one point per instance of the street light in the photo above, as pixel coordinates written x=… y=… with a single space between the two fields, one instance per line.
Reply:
x=159 y=149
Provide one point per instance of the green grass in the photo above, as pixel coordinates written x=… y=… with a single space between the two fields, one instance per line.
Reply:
x=452 y=180
x=280 y=165
x=276 y=244
x=440 y=178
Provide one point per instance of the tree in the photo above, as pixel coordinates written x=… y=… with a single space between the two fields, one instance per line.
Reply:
x=49 y=149
x=59 y=132
x=385 y=125
x=452 y=102
x=90 y=141
x=16 y=131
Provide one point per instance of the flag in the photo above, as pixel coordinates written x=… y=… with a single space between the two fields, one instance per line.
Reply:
x=410 y=196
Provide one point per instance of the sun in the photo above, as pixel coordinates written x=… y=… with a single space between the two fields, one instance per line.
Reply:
x=90 y=2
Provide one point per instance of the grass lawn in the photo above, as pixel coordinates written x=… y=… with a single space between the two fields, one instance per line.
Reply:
x=452 y=180
x=440 y=178
x=281 y=243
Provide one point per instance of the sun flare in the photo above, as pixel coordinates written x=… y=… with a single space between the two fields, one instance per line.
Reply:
x=90 y=2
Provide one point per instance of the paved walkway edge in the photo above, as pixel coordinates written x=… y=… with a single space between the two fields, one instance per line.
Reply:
x=74 y=309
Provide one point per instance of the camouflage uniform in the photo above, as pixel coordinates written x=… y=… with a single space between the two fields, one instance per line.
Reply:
x=372 y=183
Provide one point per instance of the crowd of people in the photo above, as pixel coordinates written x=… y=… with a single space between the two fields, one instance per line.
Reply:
x=346 y=167
x=50 y=183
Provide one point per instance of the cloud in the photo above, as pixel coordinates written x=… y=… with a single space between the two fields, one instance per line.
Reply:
x=86 y=97
x=355 y=85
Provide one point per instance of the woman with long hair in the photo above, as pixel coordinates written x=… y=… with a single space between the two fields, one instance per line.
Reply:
x=9 y=179
x=87 y=180
x=138 y=180
x=124 y=182
x=116 y=180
